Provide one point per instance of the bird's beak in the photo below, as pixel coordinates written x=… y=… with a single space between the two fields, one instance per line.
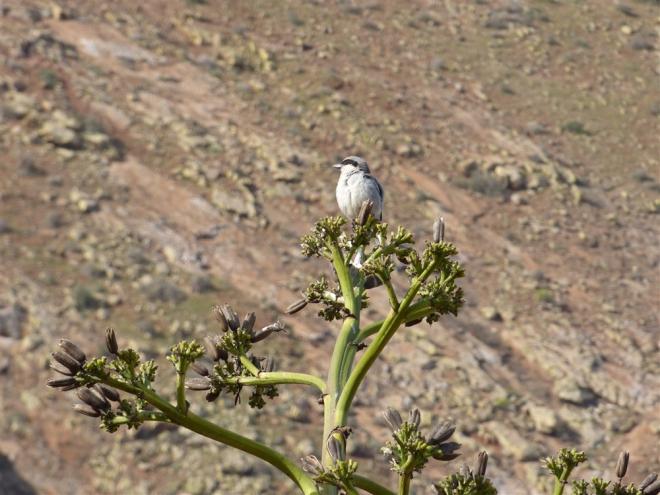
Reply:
x=337 y=165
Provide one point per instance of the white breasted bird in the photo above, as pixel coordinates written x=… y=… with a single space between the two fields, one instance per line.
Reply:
x=356 y=185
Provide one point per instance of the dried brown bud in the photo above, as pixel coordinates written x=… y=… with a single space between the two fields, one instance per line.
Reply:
x=248 y=321
x=482 y=464
x=652 y=489
x=211 y=348
x=372 y=281
x=198 y=384
x=267 y=330
x=200 y=369
x=73 y=350
x=231 y=317
x=62 y=382
x=108 y=392
x=414 y=417
x=67 y=361
x=447 y=451
x=93 y=399
x=111 y=341
x=296 y=306
x=54 y=365
x=439 y=230
x=220 y=317
x=365 y=211
x=650 y=485
x=442 y=433
x=212 y=395
x=622 y=464
x=646 y=482
x=412 y=323
x=335 y=448
x=86 y=410
x=392 y=418
x=312 y=465
x=268 y=365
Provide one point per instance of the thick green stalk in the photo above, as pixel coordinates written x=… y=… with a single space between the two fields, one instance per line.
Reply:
x=404 y=484
x=279 y=378
x=370 y=486
x=181 y=391
x=206 y=428
x=387 y=330
x=560 y=482
x=342 y=343
x=405 y=477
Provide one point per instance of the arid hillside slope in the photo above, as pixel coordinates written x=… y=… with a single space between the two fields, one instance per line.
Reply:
x=162 y=156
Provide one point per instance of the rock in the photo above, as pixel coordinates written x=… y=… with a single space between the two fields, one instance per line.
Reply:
x=12 y=318
x=164 y=291
x=468 y=167
x=490 y=313
x=514 y=444
x=201 y=284
x=18 y=105
x=4 y=227
x=545 y=420
x=409 y=150
x=84 y=299
x=62 y=130
x=514 y=175
x=642 y=41
x=568 y=390
x=535 y=128
x=240 y=202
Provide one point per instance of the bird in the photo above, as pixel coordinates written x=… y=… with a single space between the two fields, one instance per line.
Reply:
x=355 y=186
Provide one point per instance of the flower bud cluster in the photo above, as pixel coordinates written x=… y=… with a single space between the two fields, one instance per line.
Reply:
x=410 y=450
x=468 y=481
x=226 y=351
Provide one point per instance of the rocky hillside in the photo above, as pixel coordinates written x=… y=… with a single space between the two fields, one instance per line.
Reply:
x=164 y=155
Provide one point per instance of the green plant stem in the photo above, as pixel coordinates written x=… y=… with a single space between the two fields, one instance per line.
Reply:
x=387 y=330
x=394 y=301
x=343 y=342
x=181 y=391
x=350 y=489
x=414 y=312
x=370 y=486
x=142 y=416
x=560 y=482
x=404 y=484
x=279 y=378
x=249 y=365
x=206 y=428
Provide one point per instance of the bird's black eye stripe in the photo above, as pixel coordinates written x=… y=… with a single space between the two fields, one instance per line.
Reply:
x=349 y=161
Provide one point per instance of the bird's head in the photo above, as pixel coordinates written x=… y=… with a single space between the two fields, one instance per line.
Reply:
x=353 y=163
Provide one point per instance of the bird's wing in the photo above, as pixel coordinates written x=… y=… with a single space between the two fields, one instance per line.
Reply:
x=381 y=191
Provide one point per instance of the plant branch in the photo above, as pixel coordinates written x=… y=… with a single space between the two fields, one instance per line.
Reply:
x=206 y=428
x=249 y=365
x=141 y=416
x=279 y=378
x=387 y=330
x=370 y=486
x=394 y=301
x=561 y=482
x=181 y=391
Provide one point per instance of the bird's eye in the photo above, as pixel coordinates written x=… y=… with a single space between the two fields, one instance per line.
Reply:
x=349 y=161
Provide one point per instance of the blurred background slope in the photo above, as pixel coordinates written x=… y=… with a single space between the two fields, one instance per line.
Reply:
x=161 y=156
